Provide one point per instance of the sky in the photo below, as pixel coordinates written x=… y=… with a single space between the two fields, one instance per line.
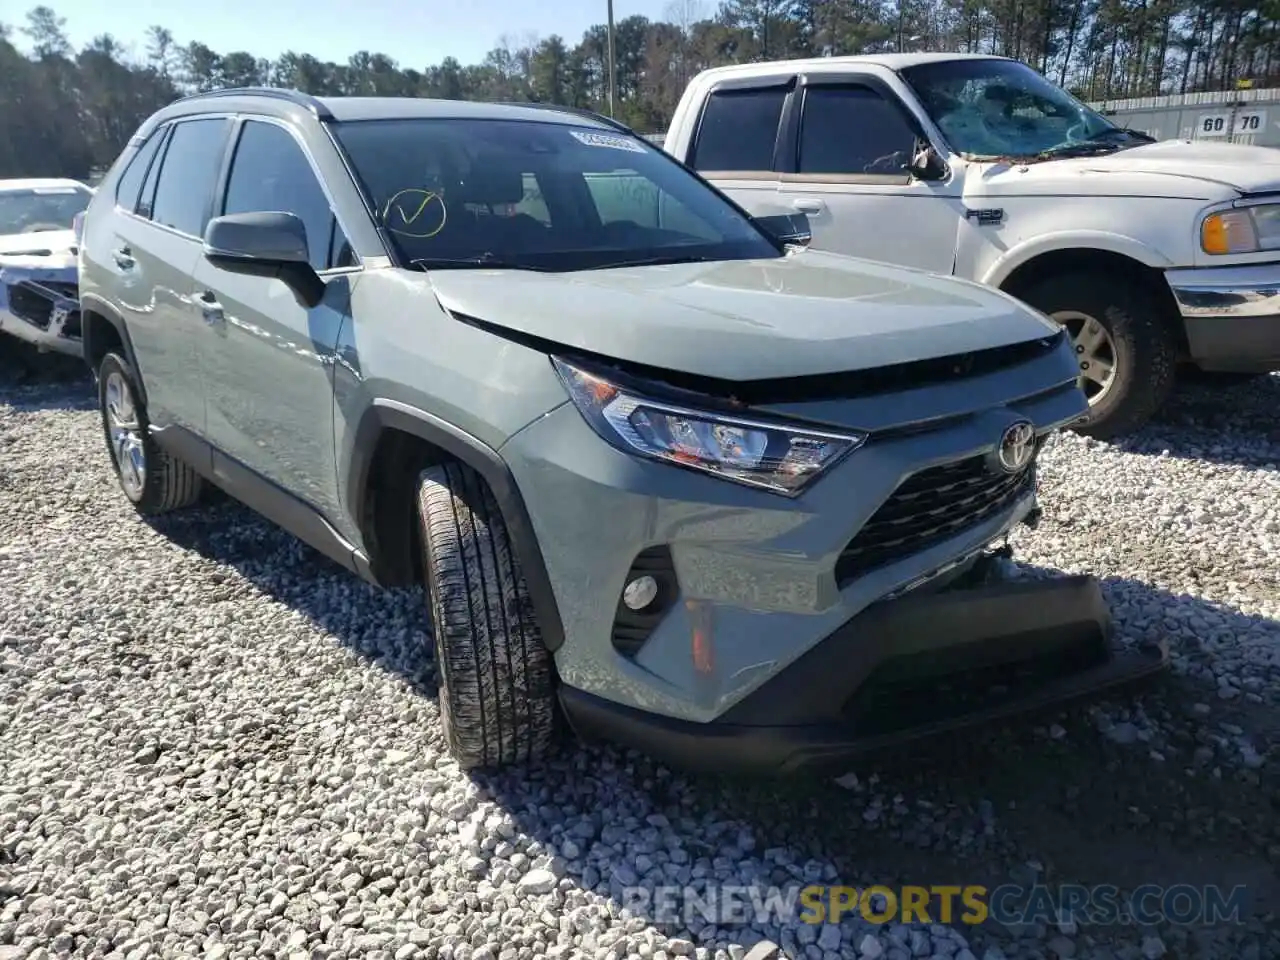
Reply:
x=416 y=34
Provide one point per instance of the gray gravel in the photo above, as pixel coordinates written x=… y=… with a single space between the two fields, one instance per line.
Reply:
x=213 y=743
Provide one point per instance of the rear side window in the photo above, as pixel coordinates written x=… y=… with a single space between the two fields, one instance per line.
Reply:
x=130 y=183
x=739 y=129
x=853 y=131
x=189 y=175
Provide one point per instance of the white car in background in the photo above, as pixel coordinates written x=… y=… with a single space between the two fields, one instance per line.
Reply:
x=39 y=290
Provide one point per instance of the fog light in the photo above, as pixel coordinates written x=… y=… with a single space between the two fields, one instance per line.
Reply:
x=640 y=592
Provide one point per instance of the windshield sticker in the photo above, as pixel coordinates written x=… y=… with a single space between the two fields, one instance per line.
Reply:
x=606 y=141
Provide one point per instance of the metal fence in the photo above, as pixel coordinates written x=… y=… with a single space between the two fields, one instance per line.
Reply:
x=1232 y=116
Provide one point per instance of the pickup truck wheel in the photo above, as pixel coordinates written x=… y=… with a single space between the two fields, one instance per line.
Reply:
x=1127 y=355
x=154 y=481
x=496 y=698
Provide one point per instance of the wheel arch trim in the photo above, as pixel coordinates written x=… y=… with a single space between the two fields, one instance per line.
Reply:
x=384 y=414
x=999 y=271
x=93 y=303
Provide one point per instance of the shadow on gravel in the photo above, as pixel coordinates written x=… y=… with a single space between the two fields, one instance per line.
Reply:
x=1237 y=425
x=1124 y=791
x=27 y=375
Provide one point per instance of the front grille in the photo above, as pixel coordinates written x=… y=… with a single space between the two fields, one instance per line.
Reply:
x=929 y=507
x=34 y=301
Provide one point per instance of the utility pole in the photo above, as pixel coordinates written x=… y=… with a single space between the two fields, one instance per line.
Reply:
x=613 y=67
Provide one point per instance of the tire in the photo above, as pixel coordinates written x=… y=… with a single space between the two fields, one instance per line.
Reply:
x=155 y=482
x=1143 y=350
x=496 y=698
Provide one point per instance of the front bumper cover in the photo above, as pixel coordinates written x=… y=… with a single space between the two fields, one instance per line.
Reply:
x=39 y=302
x=901 y=670
x=1231 y=316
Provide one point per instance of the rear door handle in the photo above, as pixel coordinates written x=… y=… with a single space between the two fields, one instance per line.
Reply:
x=809 y=206
x=123 y=257
x=210 y=308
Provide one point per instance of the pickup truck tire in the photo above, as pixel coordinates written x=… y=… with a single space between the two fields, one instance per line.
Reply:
x=1143 y=351
x=154 y=481
x=497 y=702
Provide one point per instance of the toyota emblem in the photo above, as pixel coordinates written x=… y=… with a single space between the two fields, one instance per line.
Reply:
x=1017 y=446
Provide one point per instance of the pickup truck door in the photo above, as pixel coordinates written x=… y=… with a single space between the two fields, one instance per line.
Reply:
x=845 y=147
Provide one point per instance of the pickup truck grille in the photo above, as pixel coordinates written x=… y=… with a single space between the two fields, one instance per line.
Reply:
x=930 y=506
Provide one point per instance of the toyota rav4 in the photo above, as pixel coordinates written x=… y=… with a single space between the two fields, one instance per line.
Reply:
x=662 y=471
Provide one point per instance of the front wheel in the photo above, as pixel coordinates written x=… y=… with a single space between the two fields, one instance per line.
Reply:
x=497 y=702
x=1126 y=354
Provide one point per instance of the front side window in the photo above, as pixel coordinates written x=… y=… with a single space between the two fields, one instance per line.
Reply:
x=853 y=130
x=995 y=108
x=538 y=195
x=271 y=173
x=189 y=174
x=39 y=209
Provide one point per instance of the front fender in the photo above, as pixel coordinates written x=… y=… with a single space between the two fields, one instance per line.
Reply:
x=1003 y=266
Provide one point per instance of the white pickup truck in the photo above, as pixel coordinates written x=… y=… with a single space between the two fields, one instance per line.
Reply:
x=1158 y=257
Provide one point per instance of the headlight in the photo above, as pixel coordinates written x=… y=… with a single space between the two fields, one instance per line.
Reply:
x=768 y=455
x=1243 y=230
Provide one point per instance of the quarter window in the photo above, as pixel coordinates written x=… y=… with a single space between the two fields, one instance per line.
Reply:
x=270 y=172
x=853 y=131
x=130 y=183
x=192 y=162
x=739 y=129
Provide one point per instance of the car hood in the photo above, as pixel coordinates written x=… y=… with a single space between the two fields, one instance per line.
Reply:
x=45 y=242
x=1243 y=168
x=808 y=313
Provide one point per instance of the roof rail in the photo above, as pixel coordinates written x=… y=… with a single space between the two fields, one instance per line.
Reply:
x=304 y=100
x=576 y=111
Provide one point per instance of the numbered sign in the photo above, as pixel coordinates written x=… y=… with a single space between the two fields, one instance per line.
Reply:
x=1213 y=125
x=1251 y=121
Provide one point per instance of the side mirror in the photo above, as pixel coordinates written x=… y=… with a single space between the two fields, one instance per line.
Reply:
x=269 y=244
x=927 y=163
x=787 y=227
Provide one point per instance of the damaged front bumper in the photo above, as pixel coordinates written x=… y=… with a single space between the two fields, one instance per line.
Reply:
x=39 y=302
x=981 y=649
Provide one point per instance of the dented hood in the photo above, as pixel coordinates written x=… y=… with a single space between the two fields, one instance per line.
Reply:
x=1246 y=169
x=805 y=314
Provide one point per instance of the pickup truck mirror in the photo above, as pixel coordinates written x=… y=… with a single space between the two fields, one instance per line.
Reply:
x=927 y=163
x=270 y=244
x=787 y=227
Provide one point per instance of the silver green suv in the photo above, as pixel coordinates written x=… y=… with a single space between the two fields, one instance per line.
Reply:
x=662 y=470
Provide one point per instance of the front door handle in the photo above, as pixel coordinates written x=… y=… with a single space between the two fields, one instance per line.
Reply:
x=809 y=206
x=210 y=308
x=123 y=257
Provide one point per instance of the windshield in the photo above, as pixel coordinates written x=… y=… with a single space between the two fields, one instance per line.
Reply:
x=43 y=208
x=998 y=108
x=539 y=196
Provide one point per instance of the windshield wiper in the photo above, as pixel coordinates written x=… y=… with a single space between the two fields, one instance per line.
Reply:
x=482 y=260
x=656 y=261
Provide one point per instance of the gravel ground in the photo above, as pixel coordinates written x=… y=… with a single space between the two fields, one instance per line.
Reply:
x=214 y=743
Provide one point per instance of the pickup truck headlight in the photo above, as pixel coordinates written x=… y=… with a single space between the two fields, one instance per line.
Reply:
x=1243 y=230
x=772 y=456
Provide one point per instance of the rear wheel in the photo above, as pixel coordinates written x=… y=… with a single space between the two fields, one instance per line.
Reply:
x=154 y=481
x=1125 y=352
x=497 y=700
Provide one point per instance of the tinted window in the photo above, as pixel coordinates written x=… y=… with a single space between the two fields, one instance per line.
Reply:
x=270 y=172
x=537 y=195
x=130 y=182
x=739 y=129
x=148 y=195
x=853 y=130
x=189 y=174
